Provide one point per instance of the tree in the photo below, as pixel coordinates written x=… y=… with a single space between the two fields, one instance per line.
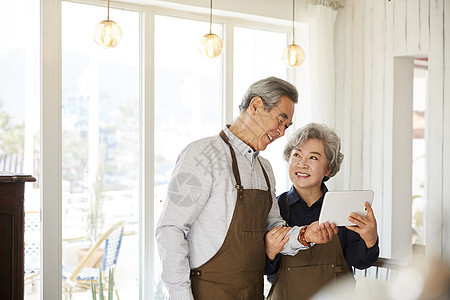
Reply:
x=11 y=135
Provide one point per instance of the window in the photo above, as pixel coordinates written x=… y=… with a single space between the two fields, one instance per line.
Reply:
x=101 y=116
x=188 y=101
x=100 y=140
x=19 y=122
x=258 y=54
x=419 y=201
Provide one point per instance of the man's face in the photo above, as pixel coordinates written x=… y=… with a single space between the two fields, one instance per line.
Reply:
x=270 y=125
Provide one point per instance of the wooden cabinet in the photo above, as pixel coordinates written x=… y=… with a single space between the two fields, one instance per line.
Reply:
x=11 y=235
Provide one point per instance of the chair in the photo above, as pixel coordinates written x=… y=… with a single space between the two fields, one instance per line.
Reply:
x=32 y=248
x=78 y=278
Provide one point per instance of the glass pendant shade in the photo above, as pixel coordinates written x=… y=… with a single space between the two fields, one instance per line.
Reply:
x=294 y=55
x=211 y=45
x=107 y=34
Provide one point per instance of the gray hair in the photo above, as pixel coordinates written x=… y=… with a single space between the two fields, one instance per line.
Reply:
x=331 y=144
x=270 y=89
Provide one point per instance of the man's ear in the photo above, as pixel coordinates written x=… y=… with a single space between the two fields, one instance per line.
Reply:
x=255 y=103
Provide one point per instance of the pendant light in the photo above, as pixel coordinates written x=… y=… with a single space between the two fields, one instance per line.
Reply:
x=107 y=33
x=211 y=45
x=293 y=54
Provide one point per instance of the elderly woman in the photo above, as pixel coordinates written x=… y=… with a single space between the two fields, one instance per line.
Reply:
x=314 y=156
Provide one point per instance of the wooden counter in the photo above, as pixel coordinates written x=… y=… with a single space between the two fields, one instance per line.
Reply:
x=12 y=188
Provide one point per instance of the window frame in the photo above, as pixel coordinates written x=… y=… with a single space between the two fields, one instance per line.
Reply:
x=51 y=129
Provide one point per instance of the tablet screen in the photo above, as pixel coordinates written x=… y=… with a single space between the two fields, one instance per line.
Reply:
x=337 y=206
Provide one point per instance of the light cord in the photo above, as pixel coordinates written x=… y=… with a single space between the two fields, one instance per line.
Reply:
x=293 y=21
x=210 y=18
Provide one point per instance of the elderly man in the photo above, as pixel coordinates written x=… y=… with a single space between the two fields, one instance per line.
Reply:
x=221 y=202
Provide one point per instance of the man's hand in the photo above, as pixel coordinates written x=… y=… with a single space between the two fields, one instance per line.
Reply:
x=320 y=234
x=366 y=226
x=275 y=240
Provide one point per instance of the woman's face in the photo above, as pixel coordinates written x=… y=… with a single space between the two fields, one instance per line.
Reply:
x=308 y=165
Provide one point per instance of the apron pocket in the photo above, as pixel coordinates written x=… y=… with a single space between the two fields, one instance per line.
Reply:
x=253 y=251
x=305 y=282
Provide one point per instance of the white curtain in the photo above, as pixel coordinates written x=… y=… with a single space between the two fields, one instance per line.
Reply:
x=321 y=18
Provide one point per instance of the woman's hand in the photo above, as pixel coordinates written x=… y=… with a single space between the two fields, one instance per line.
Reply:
x=275 y=240
x=366 y=226
x=320 y=234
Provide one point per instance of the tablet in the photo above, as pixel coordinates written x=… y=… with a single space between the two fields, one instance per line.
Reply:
x=337 y=206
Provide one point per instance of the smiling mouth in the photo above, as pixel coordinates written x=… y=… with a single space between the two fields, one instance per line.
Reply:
x=270 y=138
x=301 y=174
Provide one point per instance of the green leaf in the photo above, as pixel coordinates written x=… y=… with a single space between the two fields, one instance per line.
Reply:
x=94 y=291
x=110 y=284
x=100 y=285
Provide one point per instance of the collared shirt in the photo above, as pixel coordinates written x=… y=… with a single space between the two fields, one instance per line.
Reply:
x=200 y=204
x=354 y=248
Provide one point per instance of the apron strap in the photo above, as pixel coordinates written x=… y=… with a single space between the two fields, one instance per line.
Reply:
x=265 y=175
x=288 y=211
x=234 y=161
x=235 y=166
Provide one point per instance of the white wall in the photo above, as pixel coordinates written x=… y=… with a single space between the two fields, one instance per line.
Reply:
x=375 y=43
x=446 y=146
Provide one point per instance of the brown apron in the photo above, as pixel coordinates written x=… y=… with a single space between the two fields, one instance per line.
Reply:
x=303 y=275
x=236 y=270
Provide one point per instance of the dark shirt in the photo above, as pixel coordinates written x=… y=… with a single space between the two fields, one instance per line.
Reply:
x=353 y=246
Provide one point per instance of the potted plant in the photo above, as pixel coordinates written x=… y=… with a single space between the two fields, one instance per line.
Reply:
x=100 y=286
